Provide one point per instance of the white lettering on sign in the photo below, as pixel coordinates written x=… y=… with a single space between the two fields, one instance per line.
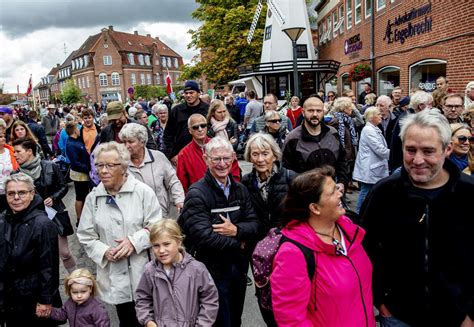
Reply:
x=427 y=86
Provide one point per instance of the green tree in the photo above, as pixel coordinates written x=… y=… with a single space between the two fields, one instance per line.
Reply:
x=222 y=39
x=70 y=93
x=149 y=92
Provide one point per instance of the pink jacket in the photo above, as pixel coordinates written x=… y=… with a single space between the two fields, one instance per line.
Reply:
x=341 y=290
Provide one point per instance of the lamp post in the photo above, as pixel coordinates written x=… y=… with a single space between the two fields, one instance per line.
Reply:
x=294 y=33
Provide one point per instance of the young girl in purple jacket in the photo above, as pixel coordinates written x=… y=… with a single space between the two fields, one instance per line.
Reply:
x=82 y=309
x=175 y=289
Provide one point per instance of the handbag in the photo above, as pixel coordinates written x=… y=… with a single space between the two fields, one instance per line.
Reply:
x=62 y=221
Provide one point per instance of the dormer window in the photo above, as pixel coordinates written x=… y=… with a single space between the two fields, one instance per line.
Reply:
x=107 y=60
x=168 y=62
x=140 y=59
x=147 y=60
x=163 y=61
x=176 y=64
x=86 y=60
x=131 y=59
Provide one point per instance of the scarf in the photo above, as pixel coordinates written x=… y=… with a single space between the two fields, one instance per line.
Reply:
x=264 y=186
x=32 y=168
x=460 y=162
x=219 y=127
x=344 y=120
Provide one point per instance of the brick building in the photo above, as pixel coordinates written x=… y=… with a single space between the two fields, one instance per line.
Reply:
x=109 y=63
x=407 y=43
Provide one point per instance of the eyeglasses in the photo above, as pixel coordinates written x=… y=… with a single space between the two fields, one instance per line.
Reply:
x=453 y=107
x=21 y=194
x=108 y=166
x=216 y=160
x=276 y=121
x=330 y=96
x=463 y=139
x=196 y=127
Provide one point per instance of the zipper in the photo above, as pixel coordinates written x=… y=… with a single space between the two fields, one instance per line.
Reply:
x=360 y=290
x=426 y=219
x=75 y=314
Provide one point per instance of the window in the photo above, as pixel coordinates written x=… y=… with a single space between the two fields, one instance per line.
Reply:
x=115 y=79
x=329 y=28
x=268 y=32
x=147 y=60
x=164 y=78
x=358 y=11
x=321 y=33
x=140 y=59
x=380 y=4
x=168 y=61
x=103 y=79
x=368 y=8
x=133 y=78
x=81 y=63
x=157 y=62
x=83 y=82
x=158 y=78
x=388 y=78
x=131 y=59
x=423 y=74
x=148 y=79
x=301 y=51
x=349 y=14
x=176 y=63
x=163 y=61
x=142 y=78
x=346 y=85
x=86 y=60
x=334 y=24
x=107 y=60
x=87 y=82
x=79 y=84
x=341 y=19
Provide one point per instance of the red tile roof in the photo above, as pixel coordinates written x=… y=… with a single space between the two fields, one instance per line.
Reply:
x=86 y=46
x=140 y=43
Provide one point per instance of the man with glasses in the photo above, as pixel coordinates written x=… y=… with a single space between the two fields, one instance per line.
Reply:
x=191 y=166
x=270 y=103
x=453 y=106
x=220 y=225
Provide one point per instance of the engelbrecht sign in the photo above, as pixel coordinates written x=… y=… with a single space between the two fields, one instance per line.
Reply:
x=395 y=32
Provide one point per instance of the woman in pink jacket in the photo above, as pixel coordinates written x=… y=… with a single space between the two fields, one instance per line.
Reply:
x=340 y=293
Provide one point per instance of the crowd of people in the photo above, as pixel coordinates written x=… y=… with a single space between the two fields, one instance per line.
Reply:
x=172 y=225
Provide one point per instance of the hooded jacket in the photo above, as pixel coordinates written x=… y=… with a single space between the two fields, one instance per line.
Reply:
x=188 y=297
x=340 y=293
x=89 y=313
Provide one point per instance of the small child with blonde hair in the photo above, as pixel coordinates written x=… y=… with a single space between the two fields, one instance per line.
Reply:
x=194 y=301
x=82 y=309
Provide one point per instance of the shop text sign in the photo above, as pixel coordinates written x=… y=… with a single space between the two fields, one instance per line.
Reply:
x=353 y=44
x=397 y=31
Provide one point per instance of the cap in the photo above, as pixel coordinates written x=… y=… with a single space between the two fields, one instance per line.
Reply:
x=191 y=86
x=6 y=110
x=404 y=101
x=114 y=110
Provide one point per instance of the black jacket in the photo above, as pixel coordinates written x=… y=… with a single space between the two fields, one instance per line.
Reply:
x=51 y=183
x=421 y=249
x=202 y=206
x=231 y=130
x=30 y=259
x=38 y=131
x=270 y=212
x=107 y=134
x=176 y=134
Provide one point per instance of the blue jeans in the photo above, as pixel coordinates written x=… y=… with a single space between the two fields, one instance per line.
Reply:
x=364 y=190
x=391 y=322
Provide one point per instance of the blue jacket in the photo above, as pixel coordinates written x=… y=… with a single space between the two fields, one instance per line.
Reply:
x=78 y=155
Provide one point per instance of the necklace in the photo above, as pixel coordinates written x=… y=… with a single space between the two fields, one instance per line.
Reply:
x=327 y=235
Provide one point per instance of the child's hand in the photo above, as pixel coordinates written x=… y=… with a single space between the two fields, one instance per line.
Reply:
x=43 y=310
x=151 y=324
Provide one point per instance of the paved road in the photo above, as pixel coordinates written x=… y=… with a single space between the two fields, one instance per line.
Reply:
x=251 y=316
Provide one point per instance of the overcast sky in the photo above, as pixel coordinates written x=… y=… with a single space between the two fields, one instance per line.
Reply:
x=33 y=33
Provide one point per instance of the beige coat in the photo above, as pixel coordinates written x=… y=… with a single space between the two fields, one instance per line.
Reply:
x=157 y=172
x=102 y=223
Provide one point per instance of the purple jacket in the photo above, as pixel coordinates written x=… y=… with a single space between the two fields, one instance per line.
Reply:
x=91 y=313
x=187 y=298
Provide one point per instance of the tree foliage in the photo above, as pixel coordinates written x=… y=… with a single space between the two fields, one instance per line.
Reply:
x=149 y=92
x=70 y=93
x=222 y=39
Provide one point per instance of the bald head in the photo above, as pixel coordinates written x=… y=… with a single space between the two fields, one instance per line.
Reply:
x=312 y=101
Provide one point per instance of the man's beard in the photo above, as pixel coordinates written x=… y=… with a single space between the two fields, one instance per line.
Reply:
x=311 y=123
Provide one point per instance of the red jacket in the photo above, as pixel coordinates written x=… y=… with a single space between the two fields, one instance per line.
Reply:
x=191 y=166
x=341 y=290
x=294 y=115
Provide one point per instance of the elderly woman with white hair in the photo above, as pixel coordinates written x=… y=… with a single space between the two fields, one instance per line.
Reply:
x=157 y=122
x=152 y=168
x=469 y=95
x=114 y=229
x=274 y=128
x=371 y=164
x=420 y=100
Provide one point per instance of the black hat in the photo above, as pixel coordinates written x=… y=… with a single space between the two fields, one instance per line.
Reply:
x=191 y=85
x=404 y=101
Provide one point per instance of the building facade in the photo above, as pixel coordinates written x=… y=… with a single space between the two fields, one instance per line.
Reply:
x=405 y=43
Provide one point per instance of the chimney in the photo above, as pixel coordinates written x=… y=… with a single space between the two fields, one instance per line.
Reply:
x=57 y=65
x=135 y=32
x=149 y=35
x=157 y=38
x=111 y=28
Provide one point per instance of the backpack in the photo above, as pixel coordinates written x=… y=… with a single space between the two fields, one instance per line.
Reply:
x=262 y=261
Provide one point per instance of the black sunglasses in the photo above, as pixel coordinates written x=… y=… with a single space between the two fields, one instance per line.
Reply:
x=274 y=121
x=196 y=127
x=463 y=138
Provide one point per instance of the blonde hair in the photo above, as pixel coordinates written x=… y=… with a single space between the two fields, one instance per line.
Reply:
x=216 y=104
x=168 y=226
x=78 y=273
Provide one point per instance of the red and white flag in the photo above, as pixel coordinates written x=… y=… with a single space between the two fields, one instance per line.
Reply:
x=169 y=88
x=30 y=87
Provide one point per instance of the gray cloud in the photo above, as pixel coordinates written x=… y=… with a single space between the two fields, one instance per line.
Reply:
x=18 y=17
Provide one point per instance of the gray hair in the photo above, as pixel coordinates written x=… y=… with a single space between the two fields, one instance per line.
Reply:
x=3 y=124
x=370 y=112
x=269 y=114
x=342 y=103
x=469 y=87
x=193 y=116
x=132 y=111
x=262 y=141
x=159 y=107
x=134 y=131
x=384 y=98
x=20 y=178
x=103 y=119
x=124 y=155
x=427 y=119
x=420 y=97
x=218 y=142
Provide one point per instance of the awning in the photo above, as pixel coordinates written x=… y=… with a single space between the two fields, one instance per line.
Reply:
x=240 y=81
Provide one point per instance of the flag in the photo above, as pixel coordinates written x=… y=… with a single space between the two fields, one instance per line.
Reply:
x=169 y=88
x=30 y=87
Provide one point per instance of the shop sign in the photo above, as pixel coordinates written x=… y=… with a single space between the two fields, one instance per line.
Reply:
x=353 y=44
x=427 y=86
x=397 y=32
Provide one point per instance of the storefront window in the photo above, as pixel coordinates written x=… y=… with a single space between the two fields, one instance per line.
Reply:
x=331 y=85
x=278 y=85
x=360 y=84
x=345 y=84
x=423 y=74
x=388 y=78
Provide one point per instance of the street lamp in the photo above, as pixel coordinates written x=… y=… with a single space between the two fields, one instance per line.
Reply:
x=294 y=33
